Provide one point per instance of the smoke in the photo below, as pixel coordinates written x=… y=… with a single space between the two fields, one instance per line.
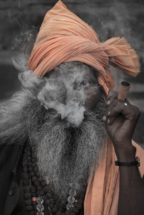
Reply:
x=59 y=94
x=62 y=91
x=120 y=22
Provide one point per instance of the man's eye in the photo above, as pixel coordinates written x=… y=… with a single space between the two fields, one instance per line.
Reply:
x=88 y=82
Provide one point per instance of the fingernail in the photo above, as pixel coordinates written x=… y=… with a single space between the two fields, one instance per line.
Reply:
x=104 y=118
x=108 y=121
x=109 y=113
x=108 y=102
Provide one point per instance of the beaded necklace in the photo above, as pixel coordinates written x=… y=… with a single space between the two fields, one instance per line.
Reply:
x=37 y=191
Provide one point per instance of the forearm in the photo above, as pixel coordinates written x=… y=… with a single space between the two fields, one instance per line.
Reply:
x=131 y=196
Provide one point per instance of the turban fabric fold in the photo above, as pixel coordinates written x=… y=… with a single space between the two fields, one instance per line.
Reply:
x=64 y=37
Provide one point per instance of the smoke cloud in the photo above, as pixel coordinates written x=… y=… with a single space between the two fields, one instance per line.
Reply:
x=64 y=93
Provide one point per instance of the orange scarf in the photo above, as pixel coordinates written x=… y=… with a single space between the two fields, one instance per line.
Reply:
x=100 y=191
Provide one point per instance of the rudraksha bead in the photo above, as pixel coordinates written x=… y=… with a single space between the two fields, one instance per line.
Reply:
x=25 y=150
x=34 y=178
x=43 y=184
x=30 y=169
x=24 y=156
x=60 y=207
x=33 y=194
x=29 y=208
x=28 y=158
x=34 y=155
x=31 y=174
x=47 y=201
x=38 y=193
x=35 y=169
x=34 y=203
x=34 y=159
x=26 y=189
x=28 y=153
x=27 y=195
x=33 y=189
x=29 y=164
x=55 y=197
x=51 y=205
x=28 y=202
x=77 y=205
x=44 y=197
x=25 y=182
x=25 y=176
x=41 y=192
x=48 y=195
x=28 y=148
x=24 y=163
x=40 y=179
x=25 y=169
x=34 y=164
x=37 y=174
x=39 y=188
x=46 y=189
x=34 y=206
x=36 y=183
x=58 y=213
x=63 y=210
x=54 y=210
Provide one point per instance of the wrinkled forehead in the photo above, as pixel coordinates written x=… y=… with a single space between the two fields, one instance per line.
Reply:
x=78 y=70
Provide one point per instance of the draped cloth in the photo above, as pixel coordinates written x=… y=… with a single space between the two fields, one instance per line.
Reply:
x=103 y=190
x=64 y=37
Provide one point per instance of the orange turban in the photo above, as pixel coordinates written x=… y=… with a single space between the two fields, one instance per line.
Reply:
x=64 y=37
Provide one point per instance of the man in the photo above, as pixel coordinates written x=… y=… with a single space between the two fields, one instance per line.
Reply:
x=62 y=134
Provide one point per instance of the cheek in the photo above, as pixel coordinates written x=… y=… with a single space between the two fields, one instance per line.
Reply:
x=92 y=97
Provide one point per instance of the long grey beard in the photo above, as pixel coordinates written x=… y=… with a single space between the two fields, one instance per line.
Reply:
x=66 y=154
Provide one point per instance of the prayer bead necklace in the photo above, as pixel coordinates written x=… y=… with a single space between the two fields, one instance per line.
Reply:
x=37 y=191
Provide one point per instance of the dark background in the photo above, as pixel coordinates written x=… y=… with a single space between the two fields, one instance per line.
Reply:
x=19 y=19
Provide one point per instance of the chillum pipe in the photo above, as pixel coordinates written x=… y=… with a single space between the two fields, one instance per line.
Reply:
x=123 y=90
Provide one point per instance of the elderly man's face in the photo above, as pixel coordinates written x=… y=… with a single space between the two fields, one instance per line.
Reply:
x=88 y=82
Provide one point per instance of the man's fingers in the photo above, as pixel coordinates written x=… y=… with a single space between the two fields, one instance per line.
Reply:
x=109 y=108
x=113 y=113
x=111 y=119
x=111 y=96
x=115 y=108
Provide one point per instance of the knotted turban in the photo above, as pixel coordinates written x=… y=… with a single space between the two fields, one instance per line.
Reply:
x=64 y=37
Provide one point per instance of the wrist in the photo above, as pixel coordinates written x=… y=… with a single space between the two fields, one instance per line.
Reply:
x=126 y=154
